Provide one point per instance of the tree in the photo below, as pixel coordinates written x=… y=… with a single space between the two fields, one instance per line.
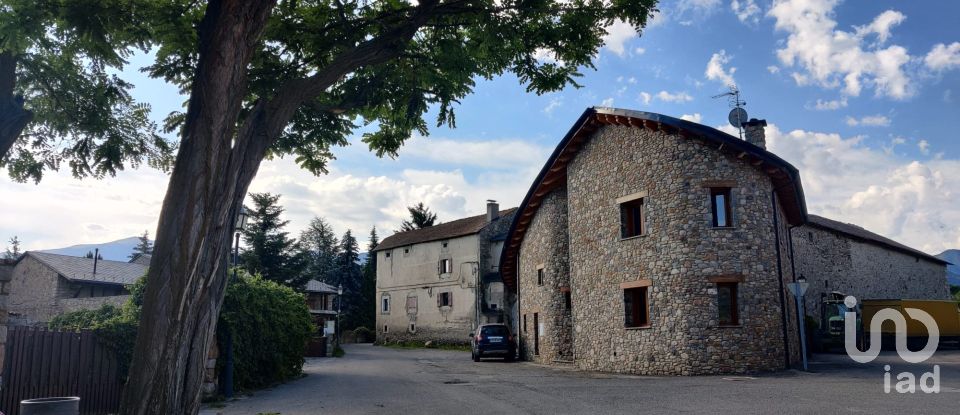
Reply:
x=13 y=251
x=269 y=252
x=350 y=276
x=367 y=302
x=420 y=217
x=144 y=246
x=296 y=78
x=60 y=98
x=320 y=248
x=90 y=255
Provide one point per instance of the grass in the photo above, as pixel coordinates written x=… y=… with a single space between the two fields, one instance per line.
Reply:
x=421 y=345
x=338 y=352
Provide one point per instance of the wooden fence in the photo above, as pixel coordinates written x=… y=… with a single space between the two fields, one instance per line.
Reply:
x=42 y=363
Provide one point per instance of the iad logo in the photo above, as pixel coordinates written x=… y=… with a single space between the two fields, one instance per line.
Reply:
x=906 y=382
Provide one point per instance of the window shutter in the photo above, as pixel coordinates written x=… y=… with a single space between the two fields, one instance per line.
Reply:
x=450 y=299
x=439 y=303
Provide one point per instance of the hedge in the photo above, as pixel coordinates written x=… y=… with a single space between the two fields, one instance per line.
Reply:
x=270 y=325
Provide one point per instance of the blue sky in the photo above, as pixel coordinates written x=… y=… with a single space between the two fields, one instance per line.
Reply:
x=863 y=97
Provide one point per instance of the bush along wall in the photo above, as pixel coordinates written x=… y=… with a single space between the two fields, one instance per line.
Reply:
x=270 y=324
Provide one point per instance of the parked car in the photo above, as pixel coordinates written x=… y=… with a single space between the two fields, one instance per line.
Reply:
x=493 y=340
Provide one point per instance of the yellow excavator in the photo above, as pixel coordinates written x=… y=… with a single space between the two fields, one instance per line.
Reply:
x=829 y=335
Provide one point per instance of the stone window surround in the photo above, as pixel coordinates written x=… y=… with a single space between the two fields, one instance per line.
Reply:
x=640 y=283
x=738 y=279
x=644 y=231
x=732 y=185
x=541 y=274
x=385 y=303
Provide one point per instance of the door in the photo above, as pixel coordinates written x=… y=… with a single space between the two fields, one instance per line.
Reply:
x=536 y=334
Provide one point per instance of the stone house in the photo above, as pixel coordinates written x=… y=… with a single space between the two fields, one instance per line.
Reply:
x=843 y=258
x=439 y=282
x=43 y=285
x=653 y=245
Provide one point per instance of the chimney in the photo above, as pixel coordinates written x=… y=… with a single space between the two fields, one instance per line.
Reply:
x=755 y=133
x=96 y=255
x=493 y=210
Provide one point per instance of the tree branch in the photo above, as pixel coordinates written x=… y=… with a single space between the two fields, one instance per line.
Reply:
x=13 y=117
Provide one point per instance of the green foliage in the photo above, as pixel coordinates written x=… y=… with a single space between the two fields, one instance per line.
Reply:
x=420 y=217
x=144 y=246
x=364 y=335
x=368 y=286
x=955 y=291
x=338 y=351
x=270 y=324
x=13 y=251
x=67 y=54
x=350 y=276
x=269 y=252
x=320 y=247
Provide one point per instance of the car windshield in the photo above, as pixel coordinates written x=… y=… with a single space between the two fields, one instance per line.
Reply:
x=495 y=331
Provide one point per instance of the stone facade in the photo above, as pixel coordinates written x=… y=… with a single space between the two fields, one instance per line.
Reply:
x=680 y=257
x=833 y=261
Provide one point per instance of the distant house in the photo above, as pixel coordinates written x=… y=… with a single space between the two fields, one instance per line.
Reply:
x=43 y=285
x=320 y=301
x=439 y=282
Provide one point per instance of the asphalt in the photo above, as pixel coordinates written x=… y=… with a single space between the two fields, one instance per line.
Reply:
x=378 y=380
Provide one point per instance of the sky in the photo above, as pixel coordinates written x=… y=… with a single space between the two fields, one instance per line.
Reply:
x=863 y=97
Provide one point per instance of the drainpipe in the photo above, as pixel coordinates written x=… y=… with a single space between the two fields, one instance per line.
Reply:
x=783 y=302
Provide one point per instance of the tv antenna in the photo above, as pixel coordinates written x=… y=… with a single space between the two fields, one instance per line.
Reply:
x=737 y=115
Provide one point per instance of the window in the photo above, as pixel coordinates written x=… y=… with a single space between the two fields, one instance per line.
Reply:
x=446 y=266
x=631 y=218
x=727 y=304
x=567 y=301
x=413 y=328
x=444 y=244
x=636 y=311
x=385 y=304
x=524 y=323
x=384 y=328
x=540 y=276
x=406 y=250
x=387 y=255
x=445 y=299
x=721 y=207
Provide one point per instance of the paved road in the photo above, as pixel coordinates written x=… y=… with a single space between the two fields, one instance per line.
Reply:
x=378 y=380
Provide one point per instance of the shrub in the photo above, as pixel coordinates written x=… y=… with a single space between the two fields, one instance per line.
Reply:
x=364 y=335
x=270 y=324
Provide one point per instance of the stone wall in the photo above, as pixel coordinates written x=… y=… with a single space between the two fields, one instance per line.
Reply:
x=833 y=261
x=490 y=268
x=66 y=305
x=681 y=254
x=33 y=288
x=545 y=247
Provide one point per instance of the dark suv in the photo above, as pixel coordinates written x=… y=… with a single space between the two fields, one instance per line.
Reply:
x=493 y=340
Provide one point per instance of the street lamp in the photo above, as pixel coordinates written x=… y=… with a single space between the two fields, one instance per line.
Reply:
x=238 y=225
x=339 y=307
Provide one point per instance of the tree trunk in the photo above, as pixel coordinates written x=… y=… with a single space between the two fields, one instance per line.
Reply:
x=187 y=275
x=13 y=117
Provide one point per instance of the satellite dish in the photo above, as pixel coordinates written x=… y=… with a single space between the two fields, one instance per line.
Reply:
x=737 y=117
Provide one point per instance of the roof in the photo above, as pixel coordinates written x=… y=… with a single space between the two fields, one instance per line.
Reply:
x=80 y=269
x=452 y=229
x=785 y=177
x=864 y=235
x=314 y=286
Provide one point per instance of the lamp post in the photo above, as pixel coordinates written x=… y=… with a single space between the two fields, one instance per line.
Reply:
x=239 y=224
x=339 y=308
x=798 y=289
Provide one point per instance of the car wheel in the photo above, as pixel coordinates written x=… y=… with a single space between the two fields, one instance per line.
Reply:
x=508 y=358
x=476 y=357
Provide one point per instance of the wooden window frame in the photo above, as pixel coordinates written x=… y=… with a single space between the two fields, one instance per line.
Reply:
x=727 y=193
x=639 y=311
x=734 y=306
x=445 y=269
x=633 y=218
x=447 y=295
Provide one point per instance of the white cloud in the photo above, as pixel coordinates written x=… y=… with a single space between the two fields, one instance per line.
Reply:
x=773 y=69
x=832 y=57
x=948 y=96
x=639 y=51
x=546 y=56
x=695 y=117
x=746 y=10
x=645 y=98
x=869 y=121
x=674 y=97
x=491 y=154
x=831 y=105
x=924 y=147
x=943 y=57
x=909 y=201
x=553 y=105
x=699 y=8
x=716 y=71
x=607 y=102
x=618 y=34
x=632 y=80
